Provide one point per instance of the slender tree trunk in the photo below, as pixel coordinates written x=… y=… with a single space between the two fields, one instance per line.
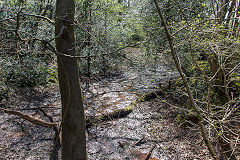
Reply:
x=73 y=120
x=89 y=29
x=184 y=78
x=104 y=67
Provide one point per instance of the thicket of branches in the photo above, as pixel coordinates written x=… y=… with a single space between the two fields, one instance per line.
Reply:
x=27 y=39
x=205 y=48
x=201 y=35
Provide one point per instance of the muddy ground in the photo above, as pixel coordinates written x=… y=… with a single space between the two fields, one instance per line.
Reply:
x=152 y=123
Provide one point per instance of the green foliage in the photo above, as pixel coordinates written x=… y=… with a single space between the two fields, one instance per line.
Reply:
x=136 y=37
x=106 y=27
x=27 y=71
x=176 y=13
x=181 y=117
x=29 y=62
x=52 y=76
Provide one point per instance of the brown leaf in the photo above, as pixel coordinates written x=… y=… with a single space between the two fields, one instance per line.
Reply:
x=139 y=155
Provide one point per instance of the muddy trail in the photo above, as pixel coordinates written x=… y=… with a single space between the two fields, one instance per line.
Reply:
x=151 y=125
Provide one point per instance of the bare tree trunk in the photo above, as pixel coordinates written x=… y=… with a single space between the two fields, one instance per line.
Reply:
x=73 y=119
x=236 y=22
x=89 y=30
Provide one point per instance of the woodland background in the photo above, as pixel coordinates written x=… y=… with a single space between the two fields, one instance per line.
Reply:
x=198 y=39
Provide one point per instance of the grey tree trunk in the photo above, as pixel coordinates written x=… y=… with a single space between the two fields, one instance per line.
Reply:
x=73 y=119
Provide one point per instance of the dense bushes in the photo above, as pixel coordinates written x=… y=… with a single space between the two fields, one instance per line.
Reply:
x=27 y=61
x=26 y=71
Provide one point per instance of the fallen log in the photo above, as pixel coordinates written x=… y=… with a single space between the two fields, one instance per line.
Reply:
x=120 y=113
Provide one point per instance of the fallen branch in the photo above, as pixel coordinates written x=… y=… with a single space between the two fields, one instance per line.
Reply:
x=29 y=118
x=90 y=121
x=141 y=156
x=139 y=141
x=121 y=113
x=45 y=114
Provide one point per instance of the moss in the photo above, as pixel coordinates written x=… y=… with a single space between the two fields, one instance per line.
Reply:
x=187 y=119
x=150 y=95
x=236 y=79
x=130 y=107
x=52 y=75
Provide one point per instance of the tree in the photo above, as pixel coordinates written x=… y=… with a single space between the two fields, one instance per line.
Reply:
x=73 y=120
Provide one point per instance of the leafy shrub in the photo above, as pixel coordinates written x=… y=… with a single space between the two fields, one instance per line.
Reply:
x=29 y=70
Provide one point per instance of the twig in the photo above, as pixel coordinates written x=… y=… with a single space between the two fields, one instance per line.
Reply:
x=45 y=114
x=139 y=141
x=7 y=19
x=56 y=147
x=39 y=16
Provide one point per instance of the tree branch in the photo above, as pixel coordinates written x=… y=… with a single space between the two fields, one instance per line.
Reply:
x=30 y=118
x=41 y=17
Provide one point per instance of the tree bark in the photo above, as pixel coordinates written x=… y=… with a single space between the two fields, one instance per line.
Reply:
x=73 y=119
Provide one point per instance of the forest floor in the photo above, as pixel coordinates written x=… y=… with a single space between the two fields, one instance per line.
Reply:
x=152 y=123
